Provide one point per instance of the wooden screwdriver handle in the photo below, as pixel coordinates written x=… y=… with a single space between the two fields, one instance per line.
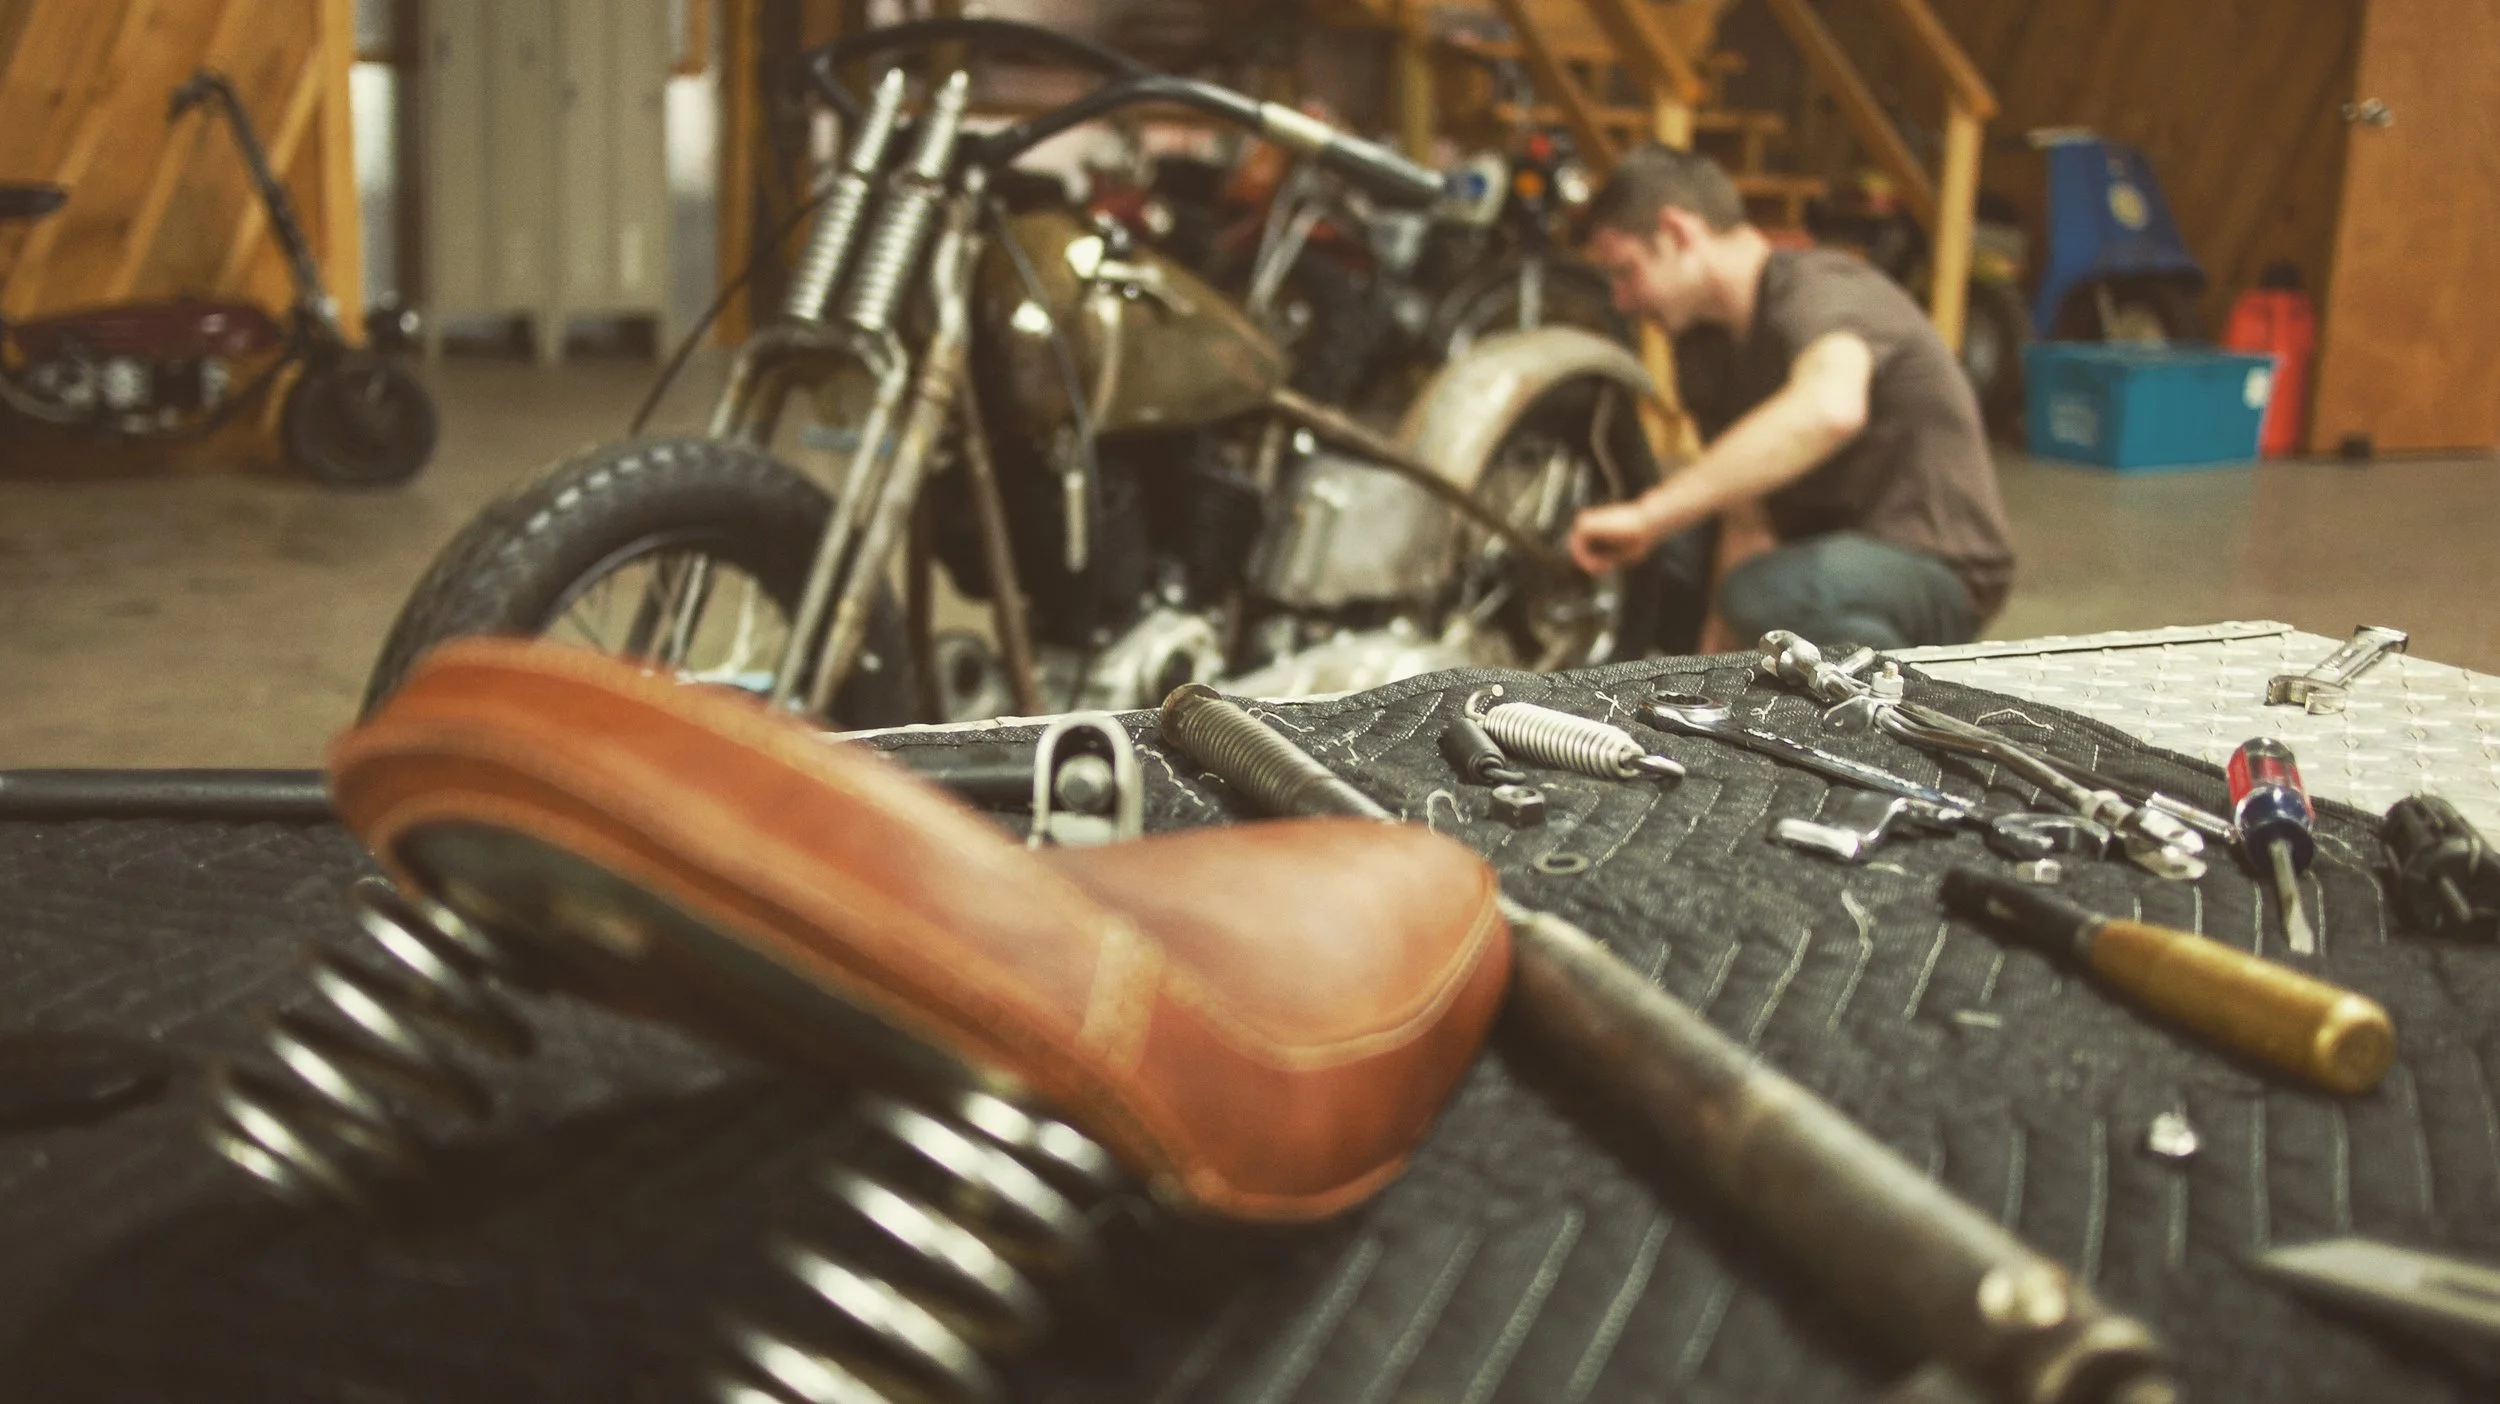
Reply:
x=2330 y=1035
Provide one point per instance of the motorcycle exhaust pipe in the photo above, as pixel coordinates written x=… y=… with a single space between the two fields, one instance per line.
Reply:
x=846 y=205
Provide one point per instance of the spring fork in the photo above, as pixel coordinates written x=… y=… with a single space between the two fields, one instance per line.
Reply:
x=330 y=1121
x=846 y=205
x=933 y=404
x=892 y=247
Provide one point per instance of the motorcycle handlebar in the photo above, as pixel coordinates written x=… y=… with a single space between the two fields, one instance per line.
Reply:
x=1379 y=171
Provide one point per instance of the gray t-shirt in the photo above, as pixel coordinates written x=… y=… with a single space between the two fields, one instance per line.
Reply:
x=1919 y=474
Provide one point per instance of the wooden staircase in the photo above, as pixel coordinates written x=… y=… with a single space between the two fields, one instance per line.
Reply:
x=1615 y=72
x=1616 y=103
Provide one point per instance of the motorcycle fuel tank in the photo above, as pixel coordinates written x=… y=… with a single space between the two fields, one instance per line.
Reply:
x=182 y=329
x=1154 y=346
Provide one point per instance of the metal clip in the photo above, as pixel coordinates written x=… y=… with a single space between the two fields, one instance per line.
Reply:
x=1092 y=794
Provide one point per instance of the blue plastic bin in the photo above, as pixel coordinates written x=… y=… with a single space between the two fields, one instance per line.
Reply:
x=2140 y=408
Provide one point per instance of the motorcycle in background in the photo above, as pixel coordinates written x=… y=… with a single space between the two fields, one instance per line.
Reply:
x=1077 y=430
x=353 y=418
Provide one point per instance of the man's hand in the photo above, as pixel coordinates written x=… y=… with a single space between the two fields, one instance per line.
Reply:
x=1612 y=537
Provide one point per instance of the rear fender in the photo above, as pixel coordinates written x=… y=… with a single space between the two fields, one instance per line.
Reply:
x=1471 y=403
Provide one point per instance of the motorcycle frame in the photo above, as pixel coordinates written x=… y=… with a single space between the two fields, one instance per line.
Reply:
x=311 y=324
x=798 y=354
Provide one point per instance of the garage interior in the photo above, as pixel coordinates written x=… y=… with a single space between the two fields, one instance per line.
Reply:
x=2218 y=275
x=149 y=578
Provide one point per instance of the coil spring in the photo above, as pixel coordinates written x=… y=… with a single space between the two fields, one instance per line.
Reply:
x=902 y=228
x=1565 y=742
x=331 y=1120
x=951 y=1225
x=1269 y=770
x=845 y=205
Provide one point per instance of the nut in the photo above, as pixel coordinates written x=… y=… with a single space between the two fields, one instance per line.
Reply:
x=2041 y=872
x=1520 y=806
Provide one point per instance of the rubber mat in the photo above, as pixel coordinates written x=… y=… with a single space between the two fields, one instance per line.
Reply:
x=619 y=1204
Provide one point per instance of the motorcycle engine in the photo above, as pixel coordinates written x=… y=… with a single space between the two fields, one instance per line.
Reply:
x=134 y=394
x=1350 y=533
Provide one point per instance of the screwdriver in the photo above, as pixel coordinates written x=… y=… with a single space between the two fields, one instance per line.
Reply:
x=2277 y=827
x=2334 y=1037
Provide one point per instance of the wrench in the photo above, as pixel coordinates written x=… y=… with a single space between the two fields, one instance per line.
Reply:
x=2325 y=688
x=1690 y=714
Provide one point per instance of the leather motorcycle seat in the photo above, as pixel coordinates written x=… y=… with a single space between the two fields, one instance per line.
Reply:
x=30 y=201
x=1261 y=1022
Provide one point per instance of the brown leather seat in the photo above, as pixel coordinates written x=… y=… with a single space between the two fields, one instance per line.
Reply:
x=1262 y=1021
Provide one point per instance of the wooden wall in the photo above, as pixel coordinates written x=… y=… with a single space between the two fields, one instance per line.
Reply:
x=2237 y=103
x=159 y=207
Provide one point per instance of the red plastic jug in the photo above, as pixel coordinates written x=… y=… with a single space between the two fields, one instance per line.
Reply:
x=2276 y=318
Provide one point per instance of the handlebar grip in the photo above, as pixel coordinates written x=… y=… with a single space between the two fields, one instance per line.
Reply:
x=1381 y=172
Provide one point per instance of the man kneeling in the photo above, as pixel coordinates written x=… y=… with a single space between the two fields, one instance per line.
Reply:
x=1846 y=419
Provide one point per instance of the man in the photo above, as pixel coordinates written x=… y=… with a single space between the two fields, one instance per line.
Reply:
x=1846 y=419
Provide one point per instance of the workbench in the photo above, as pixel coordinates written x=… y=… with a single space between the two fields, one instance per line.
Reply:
x=586 y=1242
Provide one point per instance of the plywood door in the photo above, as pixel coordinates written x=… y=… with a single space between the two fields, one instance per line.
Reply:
x=2410 y=350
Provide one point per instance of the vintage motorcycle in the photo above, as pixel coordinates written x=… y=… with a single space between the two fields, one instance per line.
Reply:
x=352 y=418
x=1083 y=434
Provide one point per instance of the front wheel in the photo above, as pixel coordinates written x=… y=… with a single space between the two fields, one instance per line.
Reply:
x=359 y=420
x=688 y=552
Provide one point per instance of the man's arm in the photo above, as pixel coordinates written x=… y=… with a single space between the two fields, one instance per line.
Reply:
x=1812 y=417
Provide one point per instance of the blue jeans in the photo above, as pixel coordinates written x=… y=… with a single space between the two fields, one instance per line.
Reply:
x=1842 y=588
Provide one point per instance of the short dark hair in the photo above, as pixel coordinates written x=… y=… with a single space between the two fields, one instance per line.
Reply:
x=1652 y=177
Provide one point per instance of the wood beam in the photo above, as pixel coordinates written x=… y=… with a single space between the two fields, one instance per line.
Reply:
x=341 y=244
x=1644 y=49
x=1927 y=37
x=1830 y=65
x=1596 y=148
x=252 y=220
x=741 y=136
x=172 y=159
x=1417 y=114
x=694 y=46
x=86 y=133
x=1948 y=291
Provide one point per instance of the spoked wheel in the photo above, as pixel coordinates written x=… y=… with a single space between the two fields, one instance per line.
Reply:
x=1562 y=458
x=680 y=602
x=359 y=420
x=688 y=554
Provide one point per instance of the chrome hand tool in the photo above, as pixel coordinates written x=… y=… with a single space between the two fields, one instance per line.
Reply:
x=2326 y=687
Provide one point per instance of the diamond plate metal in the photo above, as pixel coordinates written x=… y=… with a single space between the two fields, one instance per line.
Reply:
x=2411 y=724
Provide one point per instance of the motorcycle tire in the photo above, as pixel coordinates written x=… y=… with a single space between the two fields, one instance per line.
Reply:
x=514 y=568
x=1995 y=328
x=2138 y=307
x=1563 y=413
x=1575 y=296
x=359 y=420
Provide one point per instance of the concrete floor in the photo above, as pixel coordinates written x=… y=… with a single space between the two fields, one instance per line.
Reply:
x=213 y=618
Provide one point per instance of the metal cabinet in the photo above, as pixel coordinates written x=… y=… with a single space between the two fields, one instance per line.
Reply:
x=545 y=189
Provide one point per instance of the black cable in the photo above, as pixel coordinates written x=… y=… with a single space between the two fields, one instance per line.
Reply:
x=686 y=344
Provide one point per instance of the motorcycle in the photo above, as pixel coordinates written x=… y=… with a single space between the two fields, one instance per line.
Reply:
x=1083 y=434
x=353 y=418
